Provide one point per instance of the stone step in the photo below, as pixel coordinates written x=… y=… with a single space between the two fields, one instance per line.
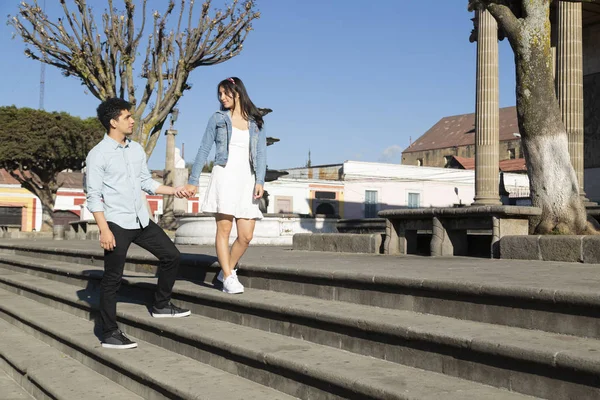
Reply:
x=452 y=291
x=44 y=371
x=493 y=355
x=299 y=368
x=10 y=389
x=154 y=373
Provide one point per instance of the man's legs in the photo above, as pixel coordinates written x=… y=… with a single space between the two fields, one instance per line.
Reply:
x=156 y=241
x=114 y=262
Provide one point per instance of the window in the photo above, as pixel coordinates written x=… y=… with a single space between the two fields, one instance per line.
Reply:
x=283 y=204
x=511 y=154
x=325 y=195
x=419 y=162
x=370 y=203
x=414 y=200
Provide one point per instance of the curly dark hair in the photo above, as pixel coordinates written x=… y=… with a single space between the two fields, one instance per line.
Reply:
x=111 y=109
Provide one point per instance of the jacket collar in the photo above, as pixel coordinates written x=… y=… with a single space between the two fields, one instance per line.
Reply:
x=227 y=115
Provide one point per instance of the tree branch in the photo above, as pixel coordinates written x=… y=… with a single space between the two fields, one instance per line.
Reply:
x=507 y=20
x=105 y=61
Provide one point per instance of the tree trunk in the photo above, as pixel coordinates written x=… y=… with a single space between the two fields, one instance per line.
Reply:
x=47 y=200
x=552 y=179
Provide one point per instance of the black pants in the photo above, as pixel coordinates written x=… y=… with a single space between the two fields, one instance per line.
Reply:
x=151 y=238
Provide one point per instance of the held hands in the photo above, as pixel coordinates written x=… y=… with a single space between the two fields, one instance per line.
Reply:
x=180 y=192
x=191 y=189
x=258 y=191
x=107 y=240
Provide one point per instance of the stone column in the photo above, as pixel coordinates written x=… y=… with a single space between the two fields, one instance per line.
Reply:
x=168 y=219
x=487 y=123
x=180 y=178
x=569 y=81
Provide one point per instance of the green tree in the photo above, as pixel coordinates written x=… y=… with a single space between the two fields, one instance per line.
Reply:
x=208 y=167
x=104 y=58
x=35 y=146
x=552 y=179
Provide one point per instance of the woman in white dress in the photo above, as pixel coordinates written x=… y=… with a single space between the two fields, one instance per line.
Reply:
x=238 y=176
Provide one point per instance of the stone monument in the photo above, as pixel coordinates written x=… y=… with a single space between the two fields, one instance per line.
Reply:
x=168 y=220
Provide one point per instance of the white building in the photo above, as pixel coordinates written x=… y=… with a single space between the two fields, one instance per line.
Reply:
x=350 y=190
x=371 y=187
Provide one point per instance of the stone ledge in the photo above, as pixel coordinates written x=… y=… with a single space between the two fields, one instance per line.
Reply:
x=517 y=211
x=566 y=248
x=339 y=242
x=361 y=225
x=26 y=235
x=198 y=262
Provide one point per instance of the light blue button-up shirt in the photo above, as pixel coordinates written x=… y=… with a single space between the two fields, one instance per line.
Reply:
x=116 y=174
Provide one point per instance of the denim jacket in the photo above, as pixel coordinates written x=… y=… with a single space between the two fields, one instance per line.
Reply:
x=218 y=131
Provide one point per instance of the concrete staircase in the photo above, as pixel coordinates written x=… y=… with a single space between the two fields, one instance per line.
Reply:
x=296 y=333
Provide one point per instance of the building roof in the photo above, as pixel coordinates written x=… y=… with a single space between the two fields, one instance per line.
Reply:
x=459 y=131
x=514 y=165
x=70 y=180
x=466 y=163
x=6 y=179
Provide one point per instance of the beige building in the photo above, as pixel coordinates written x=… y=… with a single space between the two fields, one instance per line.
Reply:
x=455 y=136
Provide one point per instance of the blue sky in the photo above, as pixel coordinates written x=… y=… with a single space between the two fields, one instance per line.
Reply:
x=347 y=79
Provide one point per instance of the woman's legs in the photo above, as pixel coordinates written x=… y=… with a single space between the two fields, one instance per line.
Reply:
x=245 y=231
x=224 y=224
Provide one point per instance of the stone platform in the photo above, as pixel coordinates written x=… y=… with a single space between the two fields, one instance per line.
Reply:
x=450 y=227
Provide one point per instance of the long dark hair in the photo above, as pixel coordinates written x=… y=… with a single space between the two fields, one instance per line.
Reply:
x=233 y=86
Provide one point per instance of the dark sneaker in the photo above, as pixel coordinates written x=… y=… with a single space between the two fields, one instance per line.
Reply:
x=170 y=311
x=117 y=340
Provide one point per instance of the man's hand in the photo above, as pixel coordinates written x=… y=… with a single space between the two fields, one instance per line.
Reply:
x=107 y=240
x=191 y=189
x=258 y=191
x=180 y=192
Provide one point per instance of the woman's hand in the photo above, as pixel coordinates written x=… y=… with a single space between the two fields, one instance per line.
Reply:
x=258 y=191
x=191 y=189
x=181 y=193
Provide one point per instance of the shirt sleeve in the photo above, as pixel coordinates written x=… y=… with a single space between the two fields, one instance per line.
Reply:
x=93 y=181
x=147 y=184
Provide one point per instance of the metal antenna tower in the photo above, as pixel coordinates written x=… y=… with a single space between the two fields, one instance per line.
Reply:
x=42 y=72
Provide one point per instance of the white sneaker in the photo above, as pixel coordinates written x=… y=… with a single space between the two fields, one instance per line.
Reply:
x=220 y=276
x=232 y=286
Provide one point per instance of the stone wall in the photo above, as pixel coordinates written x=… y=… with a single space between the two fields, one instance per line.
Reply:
x=591 y=49
x=591 y=184
x=584 y=249
x=435 y=157
x=591 y=95
x=591 y=120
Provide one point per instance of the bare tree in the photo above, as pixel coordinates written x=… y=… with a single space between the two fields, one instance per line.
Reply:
x=552 y=179
x=105 y=60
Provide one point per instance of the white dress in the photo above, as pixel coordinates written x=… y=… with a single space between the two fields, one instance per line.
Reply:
x=231 y=188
